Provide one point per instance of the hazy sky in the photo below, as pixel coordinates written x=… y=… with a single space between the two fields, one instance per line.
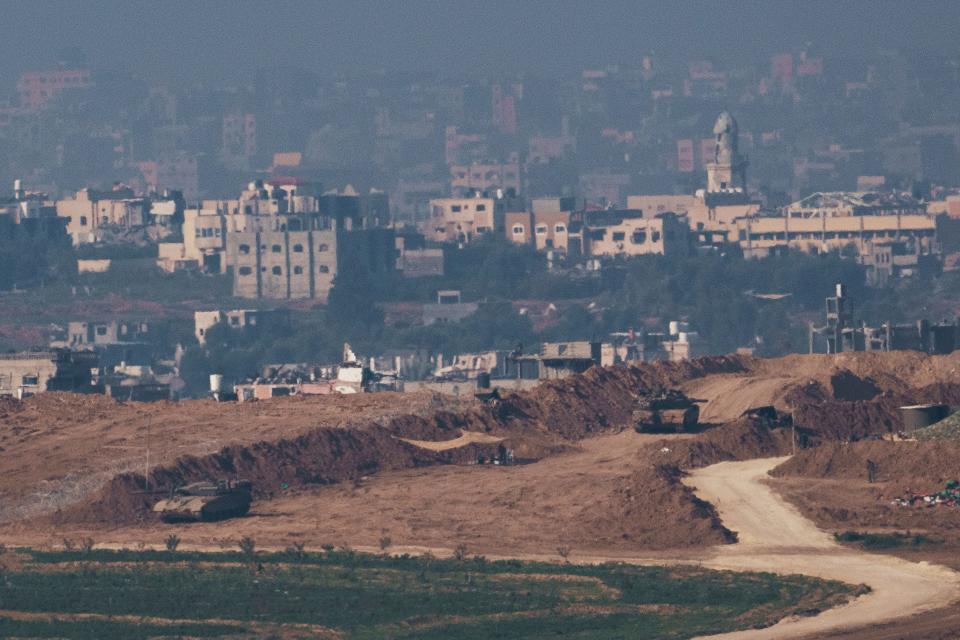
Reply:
x=221 y=39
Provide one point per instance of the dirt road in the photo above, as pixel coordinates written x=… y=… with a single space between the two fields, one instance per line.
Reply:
x=773 y=536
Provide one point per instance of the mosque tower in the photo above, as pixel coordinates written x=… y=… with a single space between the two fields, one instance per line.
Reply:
x=727 y=172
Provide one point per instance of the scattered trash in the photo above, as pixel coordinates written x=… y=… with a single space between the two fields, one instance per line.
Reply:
x=949 y=497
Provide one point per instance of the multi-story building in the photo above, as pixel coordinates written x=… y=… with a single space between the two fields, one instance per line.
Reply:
x=759 y=236
x=477 y=177
x=236 y=319
x=629 y=233
x=90 y=212
x=460 y=219
x=284 y=264
x=544 y=230
x=37 y=87
x=27 y=373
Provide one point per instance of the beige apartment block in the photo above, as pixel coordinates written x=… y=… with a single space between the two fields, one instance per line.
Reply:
x=759 y=236
x=620 y=234
x=459 y=219
x=283 y=264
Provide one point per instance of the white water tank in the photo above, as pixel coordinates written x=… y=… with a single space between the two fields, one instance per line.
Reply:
x=216 y=383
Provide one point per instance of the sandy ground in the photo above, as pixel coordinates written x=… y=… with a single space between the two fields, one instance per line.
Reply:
x=531 y=508
x=86 y=440
x=466 y=437
x=728 y=396
x=773 y=536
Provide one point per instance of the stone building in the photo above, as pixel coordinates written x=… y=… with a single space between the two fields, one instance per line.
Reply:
x=283 y=264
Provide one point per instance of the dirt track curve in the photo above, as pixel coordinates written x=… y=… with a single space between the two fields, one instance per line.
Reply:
x=773 y=536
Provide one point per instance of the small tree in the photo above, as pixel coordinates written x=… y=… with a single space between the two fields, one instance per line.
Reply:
x=297 y=550
x=87 y=545
x=564 y=552
x=460 y=552
x=172 y=542
x=67 y=544
x=385 y=543
x=248 y=546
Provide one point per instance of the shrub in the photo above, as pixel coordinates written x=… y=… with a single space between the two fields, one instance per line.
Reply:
x=172 y=542
x=385 y=543
x=460 y=552
x=248 y=546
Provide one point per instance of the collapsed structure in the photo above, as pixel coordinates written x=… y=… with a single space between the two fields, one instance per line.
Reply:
x=840 y=333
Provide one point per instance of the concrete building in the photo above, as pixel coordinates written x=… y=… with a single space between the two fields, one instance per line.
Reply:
x=283 y=264
x=561 y=359
x=237 y=319
x=545 y=230
x=758 y=236
x=36 y=88
x=114 y=341
x=460 y=219
x=91 y=211
x=448 y=308
x=629 y=233
x=485 y=176
x=30 y=372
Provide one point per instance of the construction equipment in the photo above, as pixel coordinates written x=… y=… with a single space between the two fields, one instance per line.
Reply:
x=206 y=501
x=666 y=410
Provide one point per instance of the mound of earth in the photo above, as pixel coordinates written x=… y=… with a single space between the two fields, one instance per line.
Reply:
x=742 y=439
x=921 y=465
x=653 y=509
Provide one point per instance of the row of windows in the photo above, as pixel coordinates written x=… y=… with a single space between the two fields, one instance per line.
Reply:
x=830 y=235
x=639 y=236
x=456 y=208
x=519 y=229
x=208 y=233
x=278 y=271
x=297 y=248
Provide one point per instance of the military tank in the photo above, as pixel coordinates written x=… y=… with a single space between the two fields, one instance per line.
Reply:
x=666 y=410
x=206 y=501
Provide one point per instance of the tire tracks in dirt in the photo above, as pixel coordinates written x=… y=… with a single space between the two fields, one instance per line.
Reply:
x=773 y=536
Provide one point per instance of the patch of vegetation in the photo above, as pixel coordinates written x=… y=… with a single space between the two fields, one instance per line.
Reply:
x=876 y=541
x=370 y=596
x=110 y=629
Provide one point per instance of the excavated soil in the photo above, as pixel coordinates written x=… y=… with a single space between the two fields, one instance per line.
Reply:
x=344 y=459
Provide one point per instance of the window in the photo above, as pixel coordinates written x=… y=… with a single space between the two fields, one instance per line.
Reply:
x=244 y=249
x=245 y=271
x=559 y=228
x=30 y=380
x=619 y=236
x=101 y=331
x=298 y=248
x=235 y=321
x=455 y=208
x=83 y=221
x=541 y=229
x=277 y=271
x=481 y=207
x=655 y=236
x=639 y=237
x=322 y=247
x=275 y=248
x=298 y=271
x=324 y=269
x=518 y=230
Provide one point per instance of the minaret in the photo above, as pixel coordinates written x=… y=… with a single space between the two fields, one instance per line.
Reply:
x=728 y=170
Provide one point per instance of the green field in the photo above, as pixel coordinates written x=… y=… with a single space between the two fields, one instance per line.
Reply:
x=103 y=594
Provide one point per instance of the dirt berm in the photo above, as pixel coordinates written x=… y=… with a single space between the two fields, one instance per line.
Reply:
x=534 y=424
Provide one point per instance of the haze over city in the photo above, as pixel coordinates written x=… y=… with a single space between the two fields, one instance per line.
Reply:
x=438 y=319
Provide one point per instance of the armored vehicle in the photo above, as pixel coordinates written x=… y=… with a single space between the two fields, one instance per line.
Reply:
x=206 y=501
x=666 y=410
